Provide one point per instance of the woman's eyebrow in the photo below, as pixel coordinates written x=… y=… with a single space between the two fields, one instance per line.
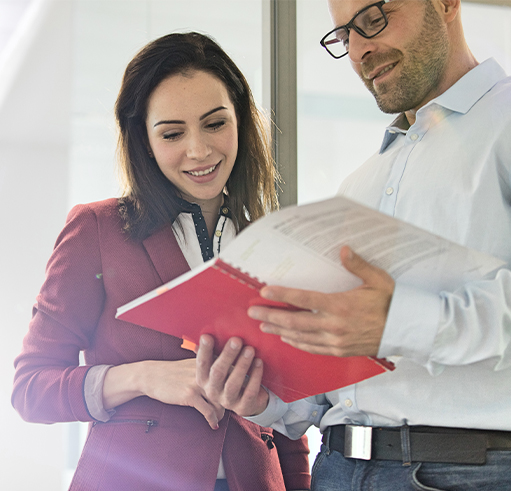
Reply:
x=169 y=121
x=177 y=121
x=219 y=108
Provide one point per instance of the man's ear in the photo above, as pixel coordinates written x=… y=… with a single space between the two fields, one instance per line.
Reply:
x=448 y=9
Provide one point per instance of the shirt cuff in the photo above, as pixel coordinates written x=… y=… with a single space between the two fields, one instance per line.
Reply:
x=292 y=419
x=274 y=411
x=93 y=393
x=412 y=324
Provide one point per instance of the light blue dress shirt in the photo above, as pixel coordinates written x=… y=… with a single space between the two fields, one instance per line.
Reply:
x=449 y=173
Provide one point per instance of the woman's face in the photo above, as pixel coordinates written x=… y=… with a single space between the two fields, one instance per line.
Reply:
x=193 y=133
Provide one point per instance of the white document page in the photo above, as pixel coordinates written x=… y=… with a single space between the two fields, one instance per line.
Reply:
x=299 y=247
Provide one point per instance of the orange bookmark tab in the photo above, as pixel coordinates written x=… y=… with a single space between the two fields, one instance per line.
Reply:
x=189 y=345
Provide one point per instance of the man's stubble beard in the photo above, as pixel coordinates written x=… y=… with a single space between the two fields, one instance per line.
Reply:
x=421 y=71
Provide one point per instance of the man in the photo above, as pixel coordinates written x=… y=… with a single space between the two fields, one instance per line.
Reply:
x=442 y=418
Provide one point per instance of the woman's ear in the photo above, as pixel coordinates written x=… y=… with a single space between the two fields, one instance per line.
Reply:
x=148 y=147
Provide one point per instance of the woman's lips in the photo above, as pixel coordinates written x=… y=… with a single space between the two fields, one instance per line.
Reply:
x=203 y=172
x=204 y=175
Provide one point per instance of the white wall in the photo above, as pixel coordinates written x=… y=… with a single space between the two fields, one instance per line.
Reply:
x=34 y=147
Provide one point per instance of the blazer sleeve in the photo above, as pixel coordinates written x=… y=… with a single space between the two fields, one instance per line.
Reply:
x=48 y=381
x=294 y=461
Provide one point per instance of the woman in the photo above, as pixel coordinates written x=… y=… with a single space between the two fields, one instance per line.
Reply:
x=197 y=169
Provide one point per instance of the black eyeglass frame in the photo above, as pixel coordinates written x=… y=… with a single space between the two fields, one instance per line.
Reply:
x=351 y=25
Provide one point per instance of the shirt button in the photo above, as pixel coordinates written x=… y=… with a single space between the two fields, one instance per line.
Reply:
x=314 y=414
x=348 y=403
x=414 y=136
x=225 y=211
x=218 y=233
x=389 y=191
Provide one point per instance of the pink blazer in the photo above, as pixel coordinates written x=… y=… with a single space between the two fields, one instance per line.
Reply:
x=147 y=445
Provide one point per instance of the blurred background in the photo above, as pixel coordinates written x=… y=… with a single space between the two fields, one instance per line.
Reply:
x=61 y=63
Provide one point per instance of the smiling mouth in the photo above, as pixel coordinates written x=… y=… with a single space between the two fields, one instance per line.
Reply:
x=384 y=70
x=202 y=172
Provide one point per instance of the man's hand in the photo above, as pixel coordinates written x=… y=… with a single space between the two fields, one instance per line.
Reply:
x=348 y=323
x=233 y=380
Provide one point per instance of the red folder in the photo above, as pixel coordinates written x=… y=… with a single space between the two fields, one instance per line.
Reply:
x=215 y=301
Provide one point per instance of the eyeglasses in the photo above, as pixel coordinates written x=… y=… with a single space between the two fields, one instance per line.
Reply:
x=368 y=22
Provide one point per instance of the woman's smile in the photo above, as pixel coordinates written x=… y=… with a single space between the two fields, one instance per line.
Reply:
x=193 y=134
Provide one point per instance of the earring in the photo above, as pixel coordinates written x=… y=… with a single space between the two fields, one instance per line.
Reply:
x=151 y=154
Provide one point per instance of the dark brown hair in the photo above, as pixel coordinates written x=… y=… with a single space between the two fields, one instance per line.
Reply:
x=149 y=199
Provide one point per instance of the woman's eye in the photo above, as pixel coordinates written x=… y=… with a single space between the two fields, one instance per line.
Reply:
x=216 y=125
x=172 y=136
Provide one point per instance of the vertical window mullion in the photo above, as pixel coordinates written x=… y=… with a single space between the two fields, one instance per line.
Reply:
x=284 y=96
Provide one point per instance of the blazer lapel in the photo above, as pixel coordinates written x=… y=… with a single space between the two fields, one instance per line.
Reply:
x=165 y=254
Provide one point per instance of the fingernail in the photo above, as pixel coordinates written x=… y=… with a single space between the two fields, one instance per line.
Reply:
x=247 y=353
x=234 y=344
x=350 y=254
x=252 y=312
x=266 y=293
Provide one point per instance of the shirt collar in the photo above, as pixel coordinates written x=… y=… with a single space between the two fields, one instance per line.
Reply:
x=187 y=207
x=471 y=87
x=459 y=98
x=400 y=125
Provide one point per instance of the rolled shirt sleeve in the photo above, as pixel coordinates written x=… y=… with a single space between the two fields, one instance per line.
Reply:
x=93 y=393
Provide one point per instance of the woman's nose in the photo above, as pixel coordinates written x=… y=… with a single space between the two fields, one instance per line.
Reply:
x=198 y=148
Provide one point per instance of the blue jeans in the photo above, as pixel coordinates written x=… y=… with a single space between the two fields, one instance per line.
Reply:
x=333 y=472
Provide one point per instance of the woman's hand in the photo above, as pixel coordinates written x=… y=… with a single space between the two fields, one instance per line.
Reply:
x=170 y=382
x=233 y=380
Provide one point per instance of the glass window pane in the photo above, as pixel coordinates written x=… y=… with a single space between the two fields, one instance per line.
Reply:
x=60 y=77
x=339 y=124
x=105 y=38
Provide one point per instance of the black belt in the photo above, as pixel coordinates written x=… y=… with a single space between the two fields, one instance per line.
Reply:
x=416 y=443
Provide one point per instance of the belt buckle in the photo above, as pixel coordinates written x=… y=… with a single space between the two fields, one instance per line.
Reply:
x=357 y=442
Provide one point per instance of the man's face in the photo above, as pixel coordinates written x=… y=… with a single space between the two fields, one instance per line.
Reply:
x=403 y=66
